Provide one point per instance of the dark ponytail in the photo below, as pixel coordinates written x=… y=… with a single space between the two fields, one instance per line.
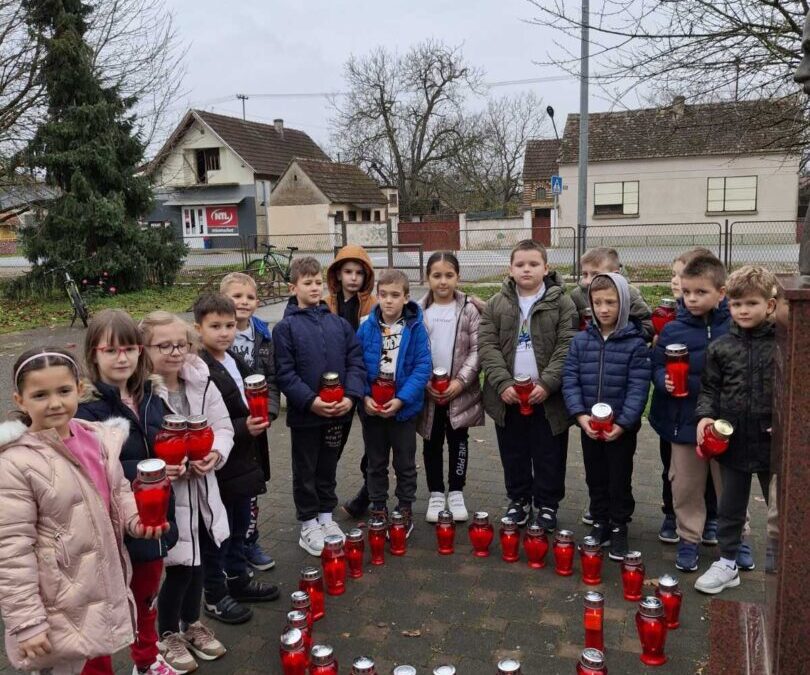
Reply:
x=443 y=256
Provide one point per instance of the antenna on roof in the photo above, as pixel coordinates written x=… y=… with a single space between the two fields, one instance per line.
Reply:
x=243 y=98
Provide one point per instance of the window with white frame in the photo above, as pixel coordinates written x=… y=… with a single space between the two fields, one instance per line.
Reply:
x=615 y=199
x=731 y=193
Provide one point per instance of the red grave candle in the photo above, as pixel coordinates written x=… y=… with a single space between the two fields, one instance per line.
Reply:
x=355 y=549
x=444 y=670
x=523 y=388
x=445 y=533
x=170 y=441
x=333 y=559
x=363 y=665
x=440 y=380
x=663 y=314
x=397 y=534
x=297 y=619
x=404 y=669
x=376 y=540
x=564 y=553
x=591 y=662
x=652 y=631
x=383 y=389
x=300 y=601
x=294 y=659
x=632 y=575
x=594 y=620
x=257 y=396
x=331 y=390
x=510 y=540
x=585 y=319
x=715 y=439
x=677 y=367
x=152 y=491
x=509 y=667
x=322 y=661
x=671 y=597
x=199 y=438
x=312 y=583
x=602 y=419
x=591 y=558
x=481 y=534
x=535 y=543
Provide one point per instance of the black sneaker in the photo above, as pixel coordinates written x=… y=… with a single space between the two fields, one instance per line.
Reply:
x=378 y=511
x=357 y=507
x=587 y=518
x=601 y=532
x=246 y=589
x=547 y=519
x=618 y=542
x=227 y=610
x=519 y=511
x=407 y=513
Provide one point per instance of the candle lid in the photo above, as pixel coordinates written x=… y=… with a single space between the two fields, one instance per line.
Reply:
x=397 y=518
x=196 y=422
x=723 y=428
x=444 y=670
x=174 y=423
x=522 y=379
x=601 y=411
x=535 y=530
x=300 y=599
x=563 y=536
x=445 y=517
x=676 y=349
x=508 y=524
x=632 y=558
x=440 y=373
x=668 y=582
x=594 y=600
x=591 y=544
x=480 y=518
x=592 y=658
x=333 y=542
x=385 y=376
x=330 y=379
x=310 y=573
x=404 y=670
x=509 y=666
x=322 y=655
x=362 y=665
x=588 y=312
x=151 y=470
x=355 y=534
x=668 y=303
x=291 y=640
x=651 y=606
x=296 y=618
x=255 y=382
x=376 y=524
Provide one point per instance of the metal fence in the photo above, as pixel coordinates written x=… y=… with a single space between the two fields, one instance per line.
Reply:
x=774 y=244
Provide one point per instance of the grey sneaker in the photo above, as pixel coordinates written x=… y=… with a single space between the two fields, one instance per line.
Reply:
x=717 y=578
x=200 y=640
x=175 y=653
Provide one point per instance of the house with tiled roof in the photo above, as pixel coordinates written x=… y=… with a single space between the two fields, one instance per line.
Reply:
x=681 y=163
x=540 y=163
x=320 y=197
x=213 y=176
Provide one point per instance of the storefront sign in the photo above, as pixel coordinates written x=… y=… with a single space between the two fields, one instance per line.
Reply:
x=222 y=219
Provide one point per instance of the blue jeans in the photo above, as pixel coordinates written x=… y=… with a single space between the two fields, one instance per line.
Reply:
x=227 y=561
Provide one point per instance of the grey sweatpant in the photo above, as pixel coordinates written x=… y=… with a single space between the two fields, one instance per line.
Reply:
x=381 y=437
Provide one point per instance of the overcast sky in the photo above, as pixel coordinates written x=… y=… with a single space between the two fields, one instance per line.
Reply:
x=299 y=46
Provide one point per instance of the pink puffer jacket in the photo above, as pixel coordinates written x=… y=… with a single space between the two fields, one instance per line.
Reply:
x=63 y=565
x=467 y=409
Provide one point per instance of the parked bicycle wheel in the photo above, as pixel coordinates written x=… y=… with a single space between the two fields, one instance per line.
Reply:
x=77 y=302
x=257 y=266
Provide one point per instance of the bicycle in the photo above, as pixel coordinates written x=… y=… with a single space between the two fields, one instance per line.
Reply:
x=277 y=265
x=80 y=310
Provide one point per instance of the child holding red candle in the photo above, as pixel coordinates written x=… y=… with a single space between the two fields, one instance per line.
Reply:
x=395 y=342
x=120 y=388
x=526 y=329
x=254 y=344
x=311 y=341
x=609 y=362
x=452 y=319
x=737 y=385
x=702 y=317
x=65 y=507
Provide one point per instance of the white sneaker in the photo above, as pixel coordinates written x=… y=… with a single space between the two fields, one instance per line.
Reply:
x=717 y=578
x=332 y=528
x=455 y=502
x=311 y=540
x=435 y=504
x=159 y=667
x=175 y=654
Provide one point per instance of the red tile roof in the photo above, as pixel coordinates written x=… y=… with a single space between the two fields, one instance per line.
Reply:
x=342 y=183
x=541 y=159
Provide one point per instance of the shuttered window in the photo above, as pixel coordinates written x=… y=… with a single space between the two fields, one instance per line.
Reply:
x=732 y=193
x=615 y=199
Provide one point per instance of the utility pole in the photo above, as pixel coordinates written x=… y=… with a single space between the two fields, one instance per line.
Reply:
x=243 y=98
x=582 y=181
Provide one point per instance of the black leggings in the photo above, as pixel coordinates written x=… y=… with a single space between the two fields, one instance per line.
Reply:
x=180 y=597
x=433 y=453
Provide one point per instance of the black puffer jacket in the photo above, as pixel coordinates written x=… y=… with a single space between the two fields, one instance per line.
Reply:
x=737 y=385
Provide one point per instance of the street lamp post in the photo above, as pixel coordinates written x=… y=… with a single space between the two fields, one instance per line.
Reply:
x=582 y=181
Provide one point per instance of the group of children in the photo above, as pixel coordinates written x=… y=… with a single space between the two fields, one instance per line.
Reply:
x=67 y=513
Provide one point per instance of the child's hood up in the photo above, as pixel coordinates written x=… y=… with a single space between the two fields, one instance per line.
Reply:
x=624 y=299
x=357 y=254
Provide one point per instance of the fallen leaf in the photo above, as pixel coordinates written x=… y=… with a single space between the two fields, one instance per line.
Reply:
x=412 y=633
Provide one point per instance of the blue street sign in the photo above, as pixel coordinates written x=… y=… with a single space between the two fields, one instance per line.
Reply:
x=556 y=185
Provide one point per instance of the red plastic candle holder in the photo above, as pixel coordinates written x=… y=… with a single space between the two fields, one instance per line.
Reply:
x=663 y=314
x=297 y=619
x=652 y=631
x=510 y=540
x=715 y=439
x=602 y=419
x=481 y=534
x=170 y=441
x=594 y=620
x=535 y=543
x=564 y=553
x=312 y=583
x=585 y=319
x=445 y=533
x=333 y=560
x=591 y=558
x=294 y=658
x=363 y=665
x=257 y=396
x=322 y=660
x=152 y=491
x=632 y=575
x=331 y=390
x=199 y=438
x=300 y=601
x=509 y=667
x=523 y=388
x=440 y=380
x=677 y=367
x=355 y=550
x=397 y=534
x=671 y=597
x=383 y=389
x=376 y=540
x=591 y=662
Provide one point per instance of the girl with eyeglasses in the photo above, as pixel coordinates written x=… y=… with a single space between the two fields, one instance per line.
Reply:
x=120 y=387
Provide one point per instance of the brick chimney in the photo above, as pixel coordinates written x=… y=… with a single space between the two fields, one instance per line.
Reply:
x=279 y=125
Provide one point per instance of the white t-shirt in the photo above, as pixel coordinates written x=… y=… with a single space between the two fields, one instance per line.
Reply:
x=441 y=327
x=525 y=362
x=236 y=376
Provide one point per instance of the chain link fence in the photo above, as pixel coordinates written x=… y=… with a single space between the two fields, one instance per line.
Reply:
x=774 y=244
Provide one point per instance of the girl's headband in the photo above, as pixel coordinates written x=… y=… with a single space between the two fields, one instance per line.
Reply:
x=74 y=366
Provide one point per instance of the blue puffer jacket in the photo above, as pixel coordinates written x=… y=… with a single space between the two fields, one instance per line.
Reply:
x=414 y=362
x=674 y=418
x=101 y=402
x=615 y=370
x=308 y=343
